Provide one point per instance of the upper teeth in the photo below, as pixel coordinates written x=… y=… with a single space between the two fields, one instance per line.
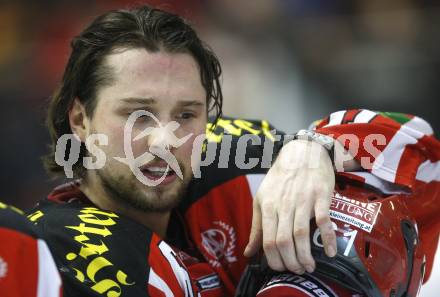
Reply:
x=158 y=169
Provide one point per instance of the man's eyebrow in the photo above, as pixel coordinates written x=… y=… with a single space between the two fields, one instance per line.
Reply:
x=185 y=103
x=139 y=100
x=152 y=101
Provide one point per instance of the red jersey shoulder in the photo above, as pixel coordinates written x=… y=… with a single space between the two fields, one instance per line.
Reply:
x=26 y=264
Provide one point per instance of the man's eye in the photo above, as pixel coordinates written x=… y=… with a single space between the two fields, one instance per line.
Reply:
x=186 y=115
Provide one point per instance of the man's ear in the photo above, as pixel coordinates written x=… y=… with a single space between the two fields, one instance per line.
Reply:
x=78 y=120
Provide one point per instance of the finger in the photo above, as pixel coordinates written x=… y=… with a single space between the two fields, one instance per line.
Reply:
x=256 y=234
x=285 y=242
x=270 y=223
x=301 y=234
x=322 y=208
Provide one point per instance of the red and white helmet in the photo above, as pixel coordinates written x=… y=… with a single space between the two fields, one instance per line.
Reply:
x=379 y=251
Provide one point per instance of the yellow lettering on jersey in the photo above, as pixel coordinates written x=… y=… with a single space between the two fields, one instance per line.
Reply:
x=82 y=228
x=247 y=126
x=229 y=127
x=265 y=128
x=91 y=219
x=211 y=136
x=93 y=210
x=95 y=265
x=94 y=253
x=236 y=128
x=35 y=216
x=122 y=278
x=79 y=275
x=89 y=249
x=92 y=249
x=105 y=285
x=209 y=128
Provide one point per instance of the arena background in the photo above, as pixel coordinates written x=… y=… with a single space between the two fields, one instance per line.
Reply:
x=289 y=61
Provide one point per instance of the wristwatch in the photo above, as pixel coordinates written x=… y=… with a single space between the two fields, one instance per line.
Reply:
x=326 y=141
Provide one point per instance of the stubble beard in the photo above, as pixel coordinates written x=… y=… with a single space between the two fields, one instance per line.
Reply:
x=129 y=192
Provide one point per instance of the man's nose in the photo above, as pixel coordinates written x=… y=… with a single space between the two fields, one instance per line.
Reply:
x=160 y=137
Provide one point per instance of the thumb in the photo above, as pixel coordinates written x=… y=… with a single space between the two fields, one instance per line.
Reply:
x=256 y=235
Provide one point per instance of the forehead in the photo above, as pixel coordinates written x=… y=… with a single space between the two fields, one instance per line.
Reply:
x=140 y=62
x=138 y=73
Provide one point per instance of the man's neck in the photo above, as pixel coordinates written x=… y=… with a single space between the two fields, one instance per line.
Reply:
x=155 y=221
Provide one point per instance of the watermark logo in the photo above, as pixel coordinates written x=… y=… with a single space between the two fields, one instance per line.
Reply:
x=236 y=139
x=158 y=148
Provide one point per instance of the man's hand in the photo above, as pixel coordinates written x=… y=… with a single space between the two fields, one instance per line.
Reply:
x=297 y=187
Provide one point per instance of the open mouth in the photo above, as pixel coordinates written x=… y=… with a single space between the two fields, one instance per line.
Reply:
x=157 y=172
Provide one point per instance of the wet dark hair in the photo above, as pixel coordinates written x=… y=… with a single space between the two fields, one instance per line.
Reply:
x=142 y=27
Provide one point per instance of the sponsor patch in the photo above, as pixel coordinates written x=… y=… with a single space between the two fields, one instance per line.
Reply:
x=361 y=215
x=208 y=282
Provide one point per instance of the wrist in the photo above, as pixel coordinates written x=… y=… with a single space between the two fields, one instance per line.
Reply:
x=327 y=142
x=302 y=153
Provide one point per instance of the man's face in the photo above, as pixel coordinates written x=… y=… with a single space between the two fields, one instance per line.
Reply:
x=168 y=86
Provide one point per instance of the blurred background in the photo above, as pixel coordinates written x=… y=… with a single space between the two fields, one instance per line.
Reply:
x=288 y=61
